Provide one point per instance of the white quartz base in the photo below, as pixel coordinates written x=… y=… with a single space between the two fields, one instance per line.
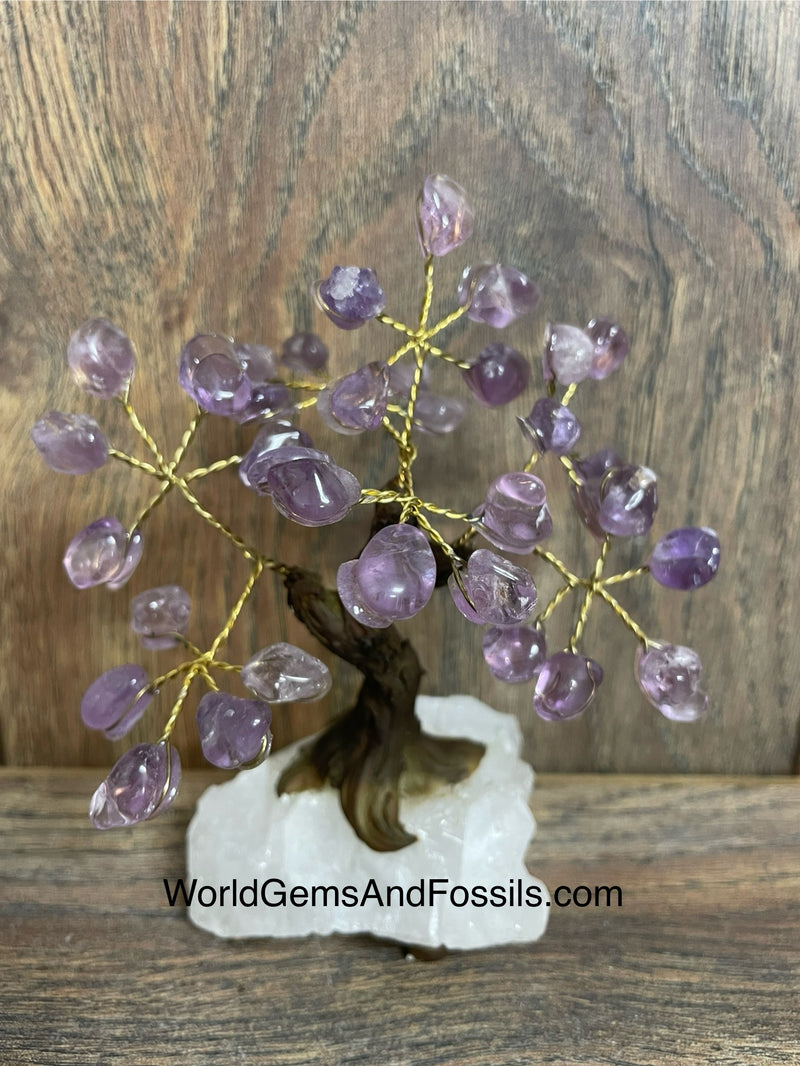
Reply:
x=473 y=834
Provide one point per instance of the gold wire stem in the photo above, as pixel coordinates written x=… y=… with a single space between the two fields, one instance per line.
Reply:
x=583 y=614
x=531 y=463
x=308 y=386
x=221 y=464
x=448 y=320
x=166 y=486
x=562 y=593
x=428 y=294
x=446 y=356
x=131 y=460
x=137 y=424
x=401 y=327
x=309 y=402
x=394 y=433
x=177 y=706
x=187 y=438
x=622 y=614
x=437 y=538
x=570 y=392
x=616 y=578
x=555 y=562
x=224 y=633
x=569 y=466
x=445 y=512
x=463 y=540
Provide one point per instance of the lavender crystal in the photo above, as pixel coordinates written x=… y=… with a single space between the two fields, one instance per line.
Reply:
x=70 y=444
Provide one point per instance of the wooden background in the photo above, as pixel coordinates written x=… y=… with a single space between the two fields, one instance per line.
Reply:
x=188 y=167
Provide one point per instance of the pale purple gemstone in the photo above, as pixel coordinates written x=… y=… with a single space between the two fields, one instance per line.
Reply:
x=568 y=354
x=358 y=401
x=232 y=730
x=142 y=783
x=503 y=594
x=350 y=296
x=276 y=433
x=669 y=676
x=686 y=558
x=283 y=673
x=586 y=497
x=263 y=463
x=210 y=372
x=101 y=358
x=265 y=400
x=437 y=415
x=514 y=653
x=258 y=362
x=323 y=409
x=565 y=686
x=110 y=703
x=158 y=614
x=496 y=295
x=304 y=353
x=396 y=572
x=444 y=218
x=353 y=600
x=551 y=427
x=401 y=377
x=70 y=444
x=611 y=345
x=310 y=490
x=498 y=376
x=133 y=553
x=515 y=516
x=628 y=501
x=96 y=555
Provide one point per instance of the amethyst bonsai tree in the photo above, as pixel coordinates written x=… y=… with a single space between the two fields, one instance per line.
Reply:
x=371 y=746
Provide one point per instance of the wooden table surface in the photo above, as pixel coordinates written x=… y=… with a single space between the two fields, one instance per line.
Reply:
x=699 y=965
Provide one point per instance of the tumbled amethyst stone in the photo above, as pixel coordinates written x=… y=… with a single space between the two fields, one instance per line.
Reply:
x=358 y=401
x=257 y=361
x=628 y=501
x=158 y=614
x=565 y=686
x=568 y=354
x=350 y=296
x=142 y=783
x=496 y=295
x=669 y=676
x=233 y=731
x=396 y=572
x=308 y=486
x=265 y=400
x=96 y=555
x=101 y=358
x=551 y=426
x=503 y=594
x=444 y=218
x=133 y=554
x=211 y=373
x=611 y=345
x=686 y=558
x=352 y=598
x=514 y=653
x=283 y=673
x=586 y=497
x=498 y=376
x=110 y=703
x=401 y=377
x=437 y=415
x=515 y=516
x=70 y=444
x=304 y=353
x=276 y=433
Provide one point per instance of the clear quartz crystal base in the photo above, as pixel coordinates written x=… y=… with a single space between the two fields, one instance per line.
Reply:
x=270 y=866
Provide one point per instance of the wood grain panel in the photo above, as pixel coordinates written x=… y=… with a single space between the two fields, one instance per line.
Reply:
x=194 y=167
x=699 y=965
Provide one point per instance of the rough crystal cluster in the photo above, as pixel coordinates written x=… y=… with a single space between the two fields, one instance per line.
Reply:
x=406 y=556
x=471 y=834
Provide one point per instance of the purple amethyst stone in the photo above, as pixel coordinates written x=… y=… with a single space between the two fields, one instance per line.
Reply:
x=444 y=217
x=586 y=496
x=628 y=501
x=350 y=296
x=96 y=555
x=101 y=358
x=498 y=376
x=276 y=433
x=568 y=354
x=394 y=576
x=358 y=401
x=159 y=614
x=211 y=373
x=669 y=676
x=233 y=731
x=70 y=444
x=551 y=427
x=283 y=673
x=566 y=686
x=307 y=486
x=304 y=353
x=515 y=516
x=110 y=703
x=142 y=783
x=611 y=345
x=686 y=559
x=502 y=593
x=496 y=295
x=514 y=653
